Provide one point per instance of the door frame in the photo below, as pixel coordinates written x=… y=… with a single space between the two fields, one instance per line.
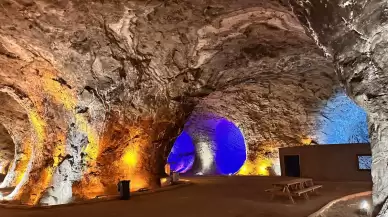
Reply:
x=285 y=165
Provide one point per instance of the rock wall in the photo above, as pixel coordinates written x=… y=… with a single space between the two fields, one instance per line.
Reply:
x=342 y=121
x=106 y=86
x=353 y=34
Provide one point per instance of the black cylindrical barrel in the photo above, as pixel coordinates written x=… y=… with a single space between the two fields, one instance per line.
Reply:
x=124 y=189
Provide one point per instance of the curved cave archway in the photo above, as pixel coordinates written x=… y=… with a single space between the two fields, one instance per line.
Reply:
x=231 y=152
x=16 y=145
x=210 y=146
x=182 y=155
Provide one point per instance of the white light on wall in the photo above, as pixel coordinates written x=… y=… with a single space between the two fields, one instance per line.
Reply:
x=364 y=207
x=206 y=156
x=276 y=167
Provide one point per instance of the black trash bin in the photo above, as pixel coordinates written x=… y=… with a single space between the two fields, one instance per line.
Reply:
x=124 y=188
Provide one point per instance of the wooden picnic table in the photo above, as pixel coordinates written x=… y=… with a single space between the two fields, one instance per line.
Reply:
x=300 y=186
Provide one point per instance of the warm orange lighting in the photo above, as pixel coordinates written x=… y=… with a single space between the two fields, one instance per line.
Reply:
x=90 y=187
x=306 y=141
x=130 y=157
x=259 y=166
x=60 y=94
x=167 y=169
x=21 y=166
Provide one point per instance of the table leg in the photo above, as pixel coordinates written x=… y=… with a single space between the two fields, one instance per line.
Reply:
x=306 y=196
x=289 y=195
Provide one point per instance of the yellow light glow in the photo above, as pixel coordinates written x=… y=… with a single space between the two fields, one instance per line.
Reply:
x=38 y=125
x=62 y=95
x=21 y=166
x=306 y=141
x=92 y=149
x=59 y=93
x=130 y=157
x=90 y=187
x=246 y=169
x=259 y=166
x=40 y=186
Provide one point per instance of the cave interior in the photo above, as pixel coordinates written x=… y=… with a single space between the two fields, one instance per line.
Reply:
x=94 y=92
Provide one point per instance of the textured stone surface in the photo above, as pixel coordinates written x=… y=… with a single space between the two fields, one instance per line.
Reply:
x=342 y=121
x=105 y=86
x=7 y=149
x=354 y=34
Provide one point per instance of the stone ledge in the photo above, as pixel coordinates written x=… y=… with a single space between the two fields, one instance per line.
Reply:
x=97 y=200
x=345 y=198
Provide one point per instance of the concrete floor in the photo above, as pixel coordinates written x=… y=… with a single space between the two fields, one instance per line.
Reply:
x=207 y=197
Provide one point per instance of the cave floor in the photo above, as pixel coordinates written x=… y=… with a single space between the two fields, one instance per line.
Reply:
x=234 y=196
x=348 y=208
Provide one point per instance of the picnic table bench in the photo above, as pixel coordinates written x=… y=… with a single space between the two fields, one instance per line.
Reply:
x=294 y=187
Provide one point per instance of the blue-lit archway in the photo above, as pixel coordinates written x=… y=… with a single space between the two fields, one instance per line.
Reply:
x=230 y=148
x=182 y=156
x=219 y=147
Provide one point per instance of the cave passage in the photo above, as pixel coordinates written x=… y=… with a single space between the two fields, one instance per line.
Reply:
x=224 y=141
x=182 y=156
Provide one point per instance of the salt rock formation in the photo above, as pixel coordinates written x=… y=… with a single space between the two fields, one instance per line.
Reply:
x=97 y=91
x=354 y=34
x=342 y=121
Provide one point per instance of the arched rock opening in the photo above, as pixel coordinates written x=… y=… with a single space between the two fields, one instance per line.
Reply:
x=182 y=156
x=17 y=153
x=209 y=145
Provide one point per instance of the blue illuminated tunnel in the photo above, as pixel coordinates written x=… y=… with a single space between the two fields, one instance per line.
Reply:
x=182 y=155
x=230 y=148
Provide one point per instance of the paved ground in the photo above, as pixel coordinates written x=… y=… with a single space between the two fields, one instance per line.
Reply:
x=349 y=208
x=208 y=197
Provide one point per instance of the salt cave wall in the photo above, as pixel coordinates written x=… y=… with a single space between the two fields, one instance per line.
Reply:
x=342 y=121
x=353 y=34
x=7 y=149
x=105 y=86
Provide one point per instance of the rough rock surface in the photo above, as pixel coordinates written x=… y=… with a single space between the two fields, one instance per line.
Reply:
x=106 y=86
x=354 y=34
x=342 y=121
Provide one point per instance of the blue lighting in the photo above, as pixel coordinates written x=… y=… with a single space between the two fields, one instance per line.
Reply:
x=230 y=148
x=343 y=122
x=182 y=155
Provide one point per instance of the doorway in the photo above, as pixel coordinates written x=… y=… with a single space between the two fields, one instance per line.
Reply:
x=292 y=166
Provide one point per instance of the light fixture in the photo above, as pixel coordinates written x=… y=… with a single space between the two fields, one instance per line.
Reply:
x=364 y=207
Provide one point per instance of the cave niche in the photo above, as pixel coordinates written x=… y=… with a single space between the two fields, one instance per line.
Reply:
x=209 y=145
x=15 y=145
